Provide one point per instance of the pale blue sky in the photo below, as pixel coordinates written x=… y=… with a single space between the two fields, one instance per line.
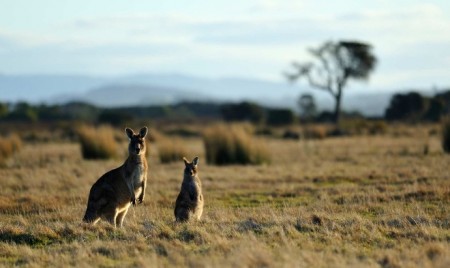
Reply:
x=255 y=39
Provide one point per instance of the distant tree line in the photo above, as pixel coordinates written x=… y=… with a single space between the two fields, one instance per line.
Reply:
x=409 y=107
x=79 y=111
x=254 y=113
x=414 y=107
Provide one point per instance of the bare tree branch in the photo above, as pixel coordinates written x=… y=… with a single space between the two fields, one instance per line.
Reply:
x=318 y=85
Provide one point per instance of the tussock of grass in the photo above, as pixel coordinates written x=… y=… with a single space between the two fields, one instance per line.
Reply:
x=315 y=132
x=446 y=135
x=363 y=127
x=171 y=149
x=8 y=146
x=97 y=143
x=234 y=144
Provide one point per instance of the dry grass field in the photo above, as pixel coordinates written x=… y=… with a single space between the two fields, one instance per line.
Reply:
x=366 y=201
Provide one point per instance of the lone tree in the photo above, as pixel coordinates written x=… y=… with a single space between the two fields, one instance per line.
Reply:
x=336 y=63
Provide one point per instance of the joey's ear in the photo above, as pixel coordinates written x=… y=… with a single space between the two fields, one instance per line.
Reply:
x=129 y=132
x=143 y=132
x=195 y=161
x=186 y=162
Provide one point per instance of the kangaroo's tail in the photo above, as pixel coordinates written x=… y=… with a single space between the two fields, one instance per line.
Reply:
x=91 y=213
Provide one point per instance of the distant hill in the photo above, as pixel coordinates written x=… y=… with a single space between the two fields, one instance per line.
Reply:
x=154 y=89
x=45 y=88
x=135 y=95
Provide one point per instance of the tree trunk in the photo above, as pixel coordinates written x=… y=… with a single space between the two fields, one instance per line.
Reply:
x=337 y=107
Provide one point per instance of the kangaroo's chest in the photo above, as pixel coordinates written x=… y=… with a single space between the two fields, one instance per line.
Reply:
x=137 y=176
x=193 y=188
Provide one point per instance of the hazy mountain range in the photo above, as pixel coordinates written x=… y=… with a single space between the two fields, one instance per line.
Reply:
x=154 y=89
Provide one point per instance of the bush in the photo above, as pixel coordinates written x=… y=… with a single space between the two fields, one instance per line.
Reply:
x=410 y=106
x=97 y=143
x=361 y=126
x=315 y=132
x=280 y=117
x=183 y=132
x=446 y=135
x=244 y=111
x=233 y=144
x=265 y=131
x=291 y=135
x=170 y=150
x=8 y=146
x=378 y=127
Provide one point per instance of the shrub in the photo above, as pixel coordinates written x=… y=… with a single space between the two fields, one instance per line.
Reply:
x=378 y=127
x=315 y=132
x=361 y=126
x=170 y=150
x=265 y=131
x=280 y=117
x=446 y=135
x=183 y=132
x=244 y=111
x=8 y=146
x=291 y=135
x=233 y=144
x=97 y=143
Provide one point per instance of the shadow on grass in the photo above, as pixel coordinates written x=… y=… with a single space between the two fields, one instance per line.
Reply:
x=25 y=239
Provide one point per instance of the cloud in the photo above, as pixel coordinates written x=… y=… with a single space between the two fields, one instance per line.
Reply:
x=260 y=41
x=277 y=6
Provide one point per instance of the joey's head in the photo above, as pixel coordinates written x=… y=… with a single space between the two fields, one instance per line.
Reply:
x=190 y=167
x=137 y=141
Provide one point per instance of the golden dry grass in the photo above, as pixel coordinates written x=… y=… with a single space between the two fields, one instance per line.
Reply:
x=171 y=149
x=357 y=201
x=8 y=146
x=97 y=143
x=234 y=144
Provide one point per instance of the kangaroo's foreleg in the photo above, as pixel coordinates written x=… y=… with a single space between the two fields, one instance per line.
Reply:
x=143 y=187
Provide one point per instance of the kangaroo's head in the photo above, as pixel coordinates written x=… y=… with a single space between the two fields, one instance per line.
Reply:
x=191 y=168
x=137 y=141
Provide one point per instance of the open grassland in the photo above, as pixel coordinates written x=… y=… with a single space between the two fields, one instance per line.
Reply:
x=357 y=201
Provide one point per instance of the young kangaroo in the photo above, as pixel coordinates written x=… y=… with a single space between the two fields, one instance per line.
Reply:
x=112 y=194
x=190 y=200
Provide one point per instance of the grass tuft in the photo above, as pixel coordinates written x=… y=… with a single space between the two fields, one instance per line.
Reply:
x=8 y=146
x=170 y=150
x=97 y=143
x=234 y=144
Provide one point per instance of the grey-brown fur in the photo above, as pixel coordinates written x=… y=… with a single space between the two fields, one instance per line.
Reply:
x=114 y=192
x=189 y=203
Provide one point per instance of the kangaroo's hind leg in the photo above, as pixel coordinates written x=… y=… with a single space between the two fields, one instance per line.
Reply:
x=109 y=213
x=120 y=217
x=93 y=210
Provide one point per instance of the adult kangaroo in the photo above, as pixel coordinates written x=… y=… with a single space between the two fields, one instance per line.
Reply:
x=114 y=192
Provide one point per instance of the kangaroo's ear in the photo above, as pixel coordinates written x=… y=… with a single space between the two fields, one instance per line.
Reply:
x=129 y=132
x=186 y=162
x=195 y=161
x=143 y=132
